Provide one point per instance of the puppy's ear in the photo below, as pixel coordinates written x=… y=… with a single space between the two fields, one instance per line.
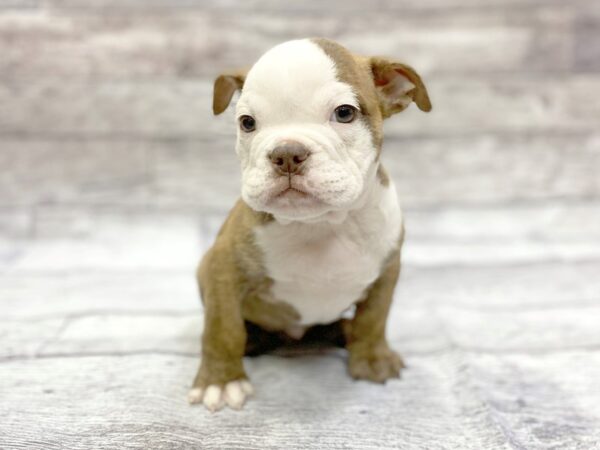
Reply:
x=225 y=86
x=397 y=86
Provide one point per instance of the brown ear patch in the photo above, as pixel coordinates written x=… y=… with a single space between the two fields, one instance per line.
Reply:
x=355 y=71
x=224 y=88
x=419 y=93
x=398 y=85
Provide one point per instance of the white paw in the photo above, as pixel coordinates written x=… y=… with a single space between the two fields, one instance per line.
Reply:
x=214 y=397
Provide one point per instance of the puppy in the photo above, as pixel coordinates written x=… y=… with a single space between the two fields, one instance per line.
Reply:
x=312 y=249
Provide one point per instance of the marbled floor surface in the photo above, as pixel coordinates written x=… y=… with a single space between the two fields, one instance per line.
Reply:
x=114 y=178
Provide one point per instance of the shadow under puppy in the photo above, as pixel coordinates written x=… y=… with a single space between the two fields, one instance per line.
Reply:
x=318 y=228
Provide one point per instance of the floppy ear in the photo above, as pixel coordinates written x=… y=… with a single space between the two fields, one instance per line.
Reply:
x=397 y=86
x=225 y=86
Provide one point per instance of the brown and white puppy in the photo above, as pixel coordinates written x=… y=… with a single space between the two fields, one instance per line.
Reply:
x=318 y=229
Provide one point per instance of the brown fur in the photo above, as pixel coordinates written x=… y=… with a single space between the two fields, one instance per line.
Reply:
x=370 y=356
x=224 y=88
x=368 y=77
x=383 y=70
x=354 y=70
x=235 y=288
x=383 y=176
x=364 y=75
x=260 y=308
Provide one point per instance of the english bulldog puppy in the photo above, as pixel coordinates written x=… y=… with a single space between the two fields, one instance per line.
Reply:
x=311 y=251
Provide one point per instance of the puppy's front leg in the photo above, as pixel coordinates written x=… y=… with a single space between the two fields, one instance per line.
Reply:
x=370 y=356
x=221 y=378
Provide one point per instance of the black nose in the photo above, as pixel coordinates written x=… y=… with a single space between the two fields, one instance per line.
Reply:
x=289 y=157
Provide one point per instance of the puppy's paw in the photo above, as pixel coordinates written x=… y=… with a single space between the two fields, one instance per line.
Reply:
x=215 y=397
x=378 y=363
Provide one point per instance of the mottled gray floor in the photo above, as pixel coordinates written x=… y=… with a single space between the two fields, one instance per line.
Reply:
x=114 y=177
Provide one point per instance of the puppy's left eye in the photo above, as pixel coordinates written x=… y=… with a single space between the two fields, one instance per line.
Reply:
x=344 y=114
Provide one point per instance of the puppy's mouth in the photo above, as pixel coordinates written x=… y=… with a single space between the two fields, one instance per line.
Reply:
x=293 y=191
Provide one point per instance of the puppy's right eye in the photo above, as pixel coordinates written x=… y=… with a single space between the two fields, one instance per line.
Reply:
x=247 y=123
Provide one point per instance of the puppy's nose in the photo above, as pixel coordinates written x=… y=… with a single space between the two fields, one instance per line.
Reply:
x=289 y=157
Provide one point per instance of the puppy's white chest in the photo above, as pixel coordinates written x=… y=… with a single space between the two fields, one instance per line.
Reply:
x=323 y=269
x=320 y=277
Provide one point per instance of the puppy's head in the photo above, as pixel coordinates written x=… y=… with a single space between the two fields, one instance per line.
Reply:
x=310 y=125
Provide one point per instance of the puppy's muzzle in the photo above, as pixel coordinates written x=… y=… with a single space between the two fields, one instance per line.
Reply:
x=289 y=158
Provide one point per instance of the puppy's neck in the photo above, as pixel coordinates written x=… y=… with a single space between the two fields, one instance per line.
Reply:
x=332 y=217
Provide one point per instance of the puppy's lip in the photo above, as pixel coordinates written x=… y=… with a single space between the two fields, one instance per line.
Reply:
x=291 y=196
x=293 y=191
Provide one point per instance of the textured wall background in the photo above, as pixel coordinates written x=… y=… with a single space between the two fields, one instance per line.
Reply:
x=114 y=177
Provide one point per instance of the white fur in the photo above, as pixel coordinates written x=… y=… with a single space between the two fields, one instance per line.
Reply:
x=292 y=92
x=195 y=396
x=324 y=249
x=233 y=394
x=321 y=269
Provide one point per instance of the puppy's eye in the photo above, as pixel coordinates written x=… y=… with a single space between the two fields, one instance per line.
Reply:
x=247 y=123
x=344 y=114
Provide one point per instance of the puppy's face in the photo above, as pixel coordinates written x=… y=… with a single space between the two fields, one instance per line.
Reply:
x=310 y=125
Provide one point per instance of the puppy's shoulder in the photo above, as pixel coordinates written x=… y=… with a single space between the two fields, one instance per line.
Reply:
x=236 y=236
x=240 y=221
